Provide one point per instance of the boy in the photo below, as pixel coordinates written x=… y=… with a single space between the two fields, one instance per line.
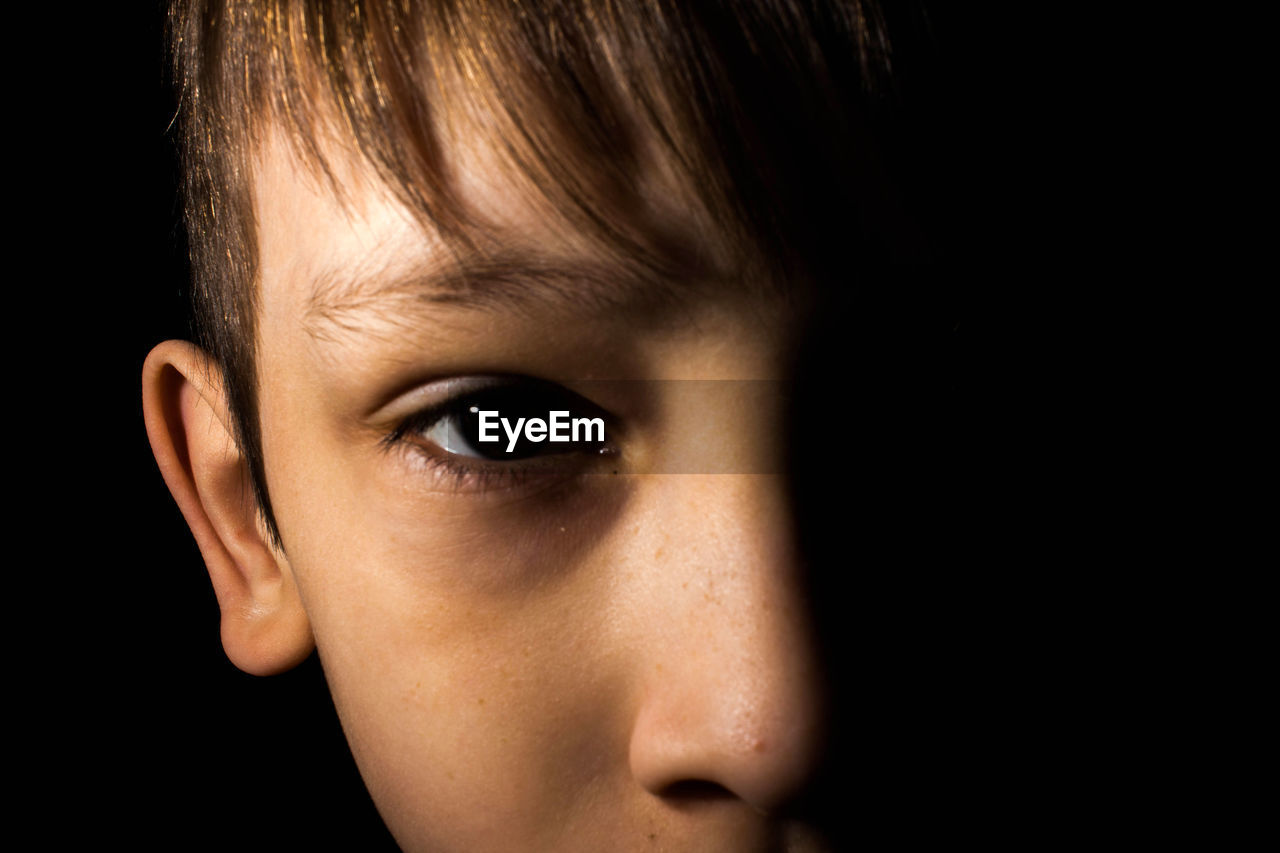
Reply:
x=406 y=215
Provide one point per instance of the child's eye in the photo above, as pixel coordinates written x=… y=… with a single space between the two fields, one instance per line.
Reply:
x=494 y=435
x=515 y=421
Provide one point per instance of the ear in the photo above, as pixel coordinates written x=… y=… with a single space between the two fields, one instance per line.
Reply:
x=264 y=626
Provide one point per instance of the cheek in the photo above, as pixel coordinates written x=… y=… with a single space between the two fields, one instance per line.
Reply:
x=452 y=694
x=463 y=638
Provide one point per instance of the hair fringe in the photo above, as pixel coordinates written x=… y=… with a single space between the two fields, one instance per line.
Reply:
x=755 y=106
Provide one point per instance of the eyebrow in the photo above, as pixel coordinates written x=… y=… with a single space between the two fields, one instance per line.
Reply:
x=508 y=281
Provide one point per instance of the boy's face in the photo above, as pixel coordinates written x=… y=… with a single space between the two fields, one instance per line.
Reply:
x=574 y=660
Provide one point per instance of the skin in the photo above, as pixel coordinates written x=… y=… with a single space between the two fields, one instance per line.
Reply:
x=583 y=661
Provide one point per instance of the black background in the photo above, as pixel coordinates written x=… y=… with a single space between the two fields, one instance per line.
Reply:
x=142 y=729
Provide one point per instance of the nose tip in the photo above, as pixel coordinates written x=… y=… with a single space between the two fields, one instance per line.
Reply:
x=732 y=702
x=757 y=744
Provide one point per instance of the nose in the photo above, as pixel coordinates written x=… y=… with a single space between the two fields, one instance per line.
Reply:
x=730 y=701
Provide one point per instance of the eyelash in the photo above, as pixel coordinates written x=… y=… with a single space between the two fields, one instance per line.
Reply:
x=460 y=473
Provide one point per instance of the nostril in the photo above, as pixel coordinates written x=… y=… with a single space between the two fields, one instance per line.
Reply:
x=696 y=790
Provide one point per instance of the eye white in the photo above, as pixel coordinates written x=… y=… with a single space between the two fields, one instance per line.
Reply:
x=446 y=434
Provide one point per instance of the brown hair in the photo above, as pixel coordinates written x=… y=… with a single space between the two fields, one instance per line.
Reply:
x=756 y=106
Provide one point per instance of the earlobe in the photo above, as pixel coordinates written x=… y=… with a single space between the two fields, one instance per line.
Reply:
x=264 y=626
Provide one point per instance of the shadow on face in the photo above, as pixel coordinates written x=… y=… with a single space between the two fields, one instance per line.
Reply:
x=569 y=648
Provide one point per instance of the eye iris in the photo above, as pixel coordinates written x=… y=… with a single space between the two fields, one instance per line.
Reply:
x=458 y=431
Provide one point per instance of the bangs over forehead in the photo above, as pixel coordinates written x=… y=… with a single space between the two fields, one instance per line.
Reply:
x=751 y=109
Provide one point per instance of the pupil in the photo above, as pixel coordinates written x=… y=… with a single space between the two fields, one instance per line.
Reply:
x=512 y=403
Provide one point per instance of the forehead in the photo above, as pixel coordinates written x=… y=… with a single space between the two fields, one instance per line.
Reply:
x=305 y=228
x=335 y=235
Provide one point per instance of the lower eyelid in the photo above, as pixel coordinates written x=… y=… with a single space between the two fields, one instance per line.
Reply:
x=459 y=474
x=443 y=471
